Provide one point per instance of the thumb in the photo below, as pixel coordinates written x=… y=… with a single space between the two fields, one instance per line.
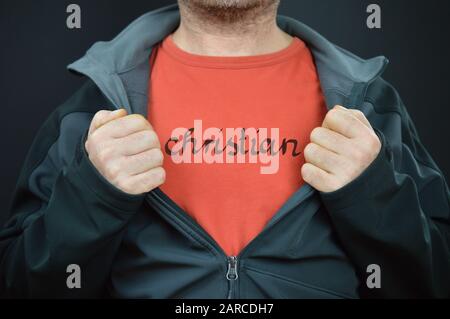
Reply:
x=104 y=117
x=358 y=114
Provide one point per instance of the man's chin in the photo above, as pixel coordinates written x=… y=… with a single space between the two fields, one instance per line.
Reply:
x=229 y=4
x=229 y=11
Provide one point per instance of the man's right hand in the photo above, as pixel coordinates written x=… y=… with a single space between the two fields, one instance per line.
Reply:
x=126 y=151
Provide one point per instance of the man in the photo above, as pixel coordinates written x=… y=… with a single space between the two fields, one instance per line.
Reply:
x=228 y=154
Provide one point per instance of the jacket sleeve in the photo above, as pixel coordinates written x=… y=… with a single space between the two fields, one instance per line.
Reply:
x=396 y=215
x=63 y=212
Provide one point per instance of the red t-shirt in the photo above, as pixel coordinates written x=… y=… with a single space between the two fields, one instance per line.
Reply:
x=233 y=130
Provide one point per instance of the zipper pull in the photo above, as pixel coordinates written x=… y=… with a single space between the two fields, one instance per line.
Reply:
x=232 y=268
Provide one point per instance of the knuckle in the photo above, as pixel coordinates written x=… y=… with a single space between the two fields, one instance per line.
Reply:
x=139 y=186
x=316 y=133
x=329 y=184
x=137 y=117
x=362 y=157
x=329 y=116
x=375 y=143
x=159 y=175
x=139 y=120
x=151 y=138
x=102 y=157
x=307 y=172
x=333 y=113
x=333 y=116
x=113 y=170
x=104 y=154
x=349 y=170
x=87 y=146
x=93 y=138
x=306 y=152
x=100 y=114
x=98 y=140
x=143 y=121
x=367 y=151
x=163 y=175
x=310 y=150
x=334 y=184
x=158 y=157
x=124 y=185
x=366 y=157
x=358 y=113
x=149 y=135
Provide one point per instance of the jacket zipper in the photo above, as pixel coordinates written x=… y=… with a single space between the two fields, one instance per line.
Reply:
x=232 y=275
x=181 y=220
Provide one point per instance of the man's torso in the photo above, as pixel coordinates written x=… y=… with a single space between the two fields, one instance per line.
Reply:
x=233 y=130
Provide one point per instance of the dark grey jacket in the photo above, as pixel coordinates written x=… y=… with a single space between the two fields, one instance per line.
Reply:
x=395 y=215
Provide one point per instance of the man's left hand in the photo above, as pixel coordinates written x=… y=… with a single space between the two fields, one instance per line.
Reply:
x=340 y=150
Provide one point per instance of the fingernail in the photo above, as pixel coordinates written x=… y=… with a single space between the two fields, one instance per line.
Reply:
x=118 y=111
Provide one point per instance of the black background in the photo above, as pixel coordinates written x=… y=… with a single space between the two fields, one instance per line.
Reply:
x=36 y=46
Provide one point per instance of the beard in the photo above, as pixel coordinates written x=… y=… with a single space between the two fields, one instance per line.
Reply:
x=229 y=11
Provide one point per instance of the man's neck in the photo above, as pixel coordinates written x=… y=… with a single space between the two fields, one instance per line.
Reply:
x=253 y=32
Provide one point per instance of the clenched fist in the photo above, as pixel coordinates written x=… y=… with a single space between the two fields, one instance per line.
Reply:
x=126 y=151
x=340 y=150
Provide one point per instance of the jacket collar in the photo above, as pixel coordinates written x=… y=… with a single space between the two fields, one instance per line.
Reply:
x=116 y=66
